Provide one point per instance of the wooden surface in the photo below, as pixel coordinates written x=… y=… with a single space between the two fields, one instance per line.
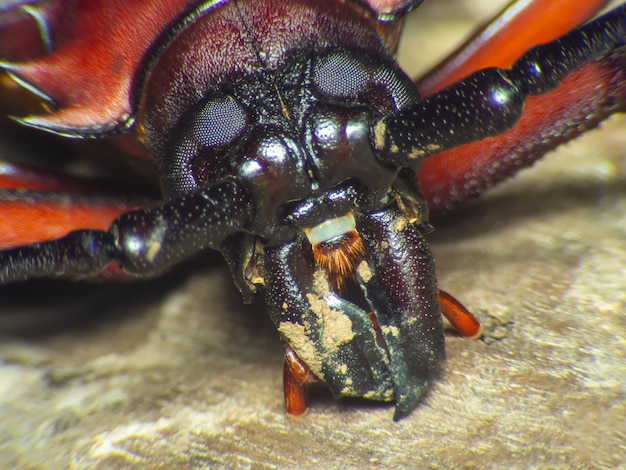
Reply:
x=178 y=373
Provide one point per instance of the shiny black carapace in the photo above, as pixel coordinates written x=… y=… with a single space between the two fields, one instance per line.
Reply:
x=284 y=134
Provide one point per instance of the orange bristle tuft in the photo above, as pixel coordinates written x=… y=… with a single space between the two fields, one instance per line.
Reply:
x=338 y=256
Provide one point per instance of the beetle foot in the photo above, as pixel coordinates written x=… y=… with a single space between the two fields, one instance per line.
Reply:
x=296 y=375
x=463 y=321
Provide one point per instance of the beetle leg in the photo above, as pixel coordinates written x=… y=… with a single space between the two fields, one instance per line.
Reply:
x=491 y=101
x=38 y=205
x=522 y=24
x=398 y=279
x=584 y=98
x=141 y=242
x=25 y=177
x=33 y=216
x=460 y=317
x=296 y=374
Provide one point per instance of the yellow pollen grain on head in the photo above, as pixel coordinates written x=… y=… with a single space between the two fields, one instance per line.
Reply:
x=379 y=134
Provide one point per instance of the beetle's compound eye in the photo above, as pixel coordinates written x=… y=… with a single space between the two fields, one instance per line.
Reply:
x=341 y=75
x=353 y=76
x=204 y=134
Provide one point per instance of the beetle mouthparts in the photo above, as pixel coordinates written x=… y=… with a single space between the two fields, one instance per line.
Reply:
x=335 y=338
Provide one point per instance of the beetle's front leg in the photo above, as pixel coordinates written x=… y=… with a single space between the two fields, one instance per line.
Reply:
x=141 y=242
x=491 y=101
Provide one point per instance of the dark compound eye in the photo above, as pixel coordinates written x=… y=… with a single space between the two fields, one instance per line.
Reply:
x=218 y=122
x=356 y=77
x=204 y=134
x=341 y=74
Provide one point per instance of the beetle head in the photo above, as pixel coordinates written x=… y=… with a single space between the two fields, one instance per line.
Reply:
x=328 y=213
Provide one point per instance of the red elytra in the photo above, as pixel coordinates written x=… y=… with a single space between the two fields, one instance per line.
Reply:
x=126 y=86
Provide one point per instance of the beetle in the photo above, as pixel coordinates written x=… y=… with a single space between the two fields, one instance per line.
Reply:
x=285 y=135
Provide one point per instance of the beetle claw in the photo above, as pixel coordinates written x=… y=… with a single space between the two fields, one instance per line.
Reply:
x=331 y=335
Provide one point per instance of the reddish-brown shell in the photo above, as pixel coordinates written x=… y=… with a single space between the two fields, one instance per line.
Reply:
x=235 y=38
x=96 y=49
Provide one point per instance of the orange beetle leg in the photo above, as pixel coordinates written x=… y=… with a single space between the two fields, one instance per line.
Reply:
x=463 y=321
x=585 y=98
x=296 y=374
x=31 y=217
x=518 y=27
x=25 y=177
x=38 y=205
